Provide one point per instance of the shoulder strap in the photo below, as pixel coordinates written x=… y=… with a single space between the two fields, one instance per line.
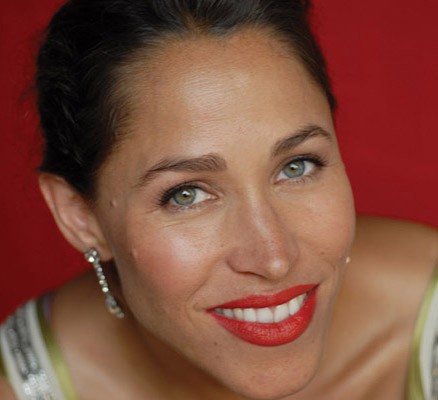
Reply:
x=25 y=357
x=423 y=373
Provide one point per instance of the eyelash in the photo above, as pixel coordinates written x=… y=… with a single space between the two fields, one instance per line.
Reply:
x=317 y=161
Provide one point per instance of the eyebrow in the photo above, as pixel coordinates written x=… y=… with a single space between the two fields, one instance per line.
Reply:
x=207 y=163
x=286 y=144
x=213 y=162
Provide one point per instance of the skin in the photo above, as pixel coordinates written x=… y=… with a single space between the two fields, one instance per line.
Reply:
x=252 y=230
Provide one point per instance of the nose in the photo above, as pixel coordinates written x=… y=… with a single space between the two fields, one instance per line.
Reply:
x=262 y=242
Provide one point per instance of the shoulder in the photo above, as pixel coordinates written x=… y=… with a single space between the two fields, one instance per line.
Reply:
x=403 y=238
x=396 y=256
x=392 y=263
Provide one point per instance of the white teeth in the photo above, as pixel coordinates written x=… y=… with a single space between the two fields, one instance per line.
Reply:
x=249 y=315
x=281 y=312
x=238 y=314
x=294 y=306
x=266 y=314
x=296 y=303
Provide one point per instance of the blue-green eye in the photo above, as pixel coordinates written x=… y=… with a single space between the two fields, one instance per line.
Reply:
x=295 y=169
x=299 y=168
x=184 y=196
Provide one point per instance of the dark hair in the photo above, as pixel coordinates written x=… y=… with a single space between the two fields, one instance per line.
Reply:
x=88 y=42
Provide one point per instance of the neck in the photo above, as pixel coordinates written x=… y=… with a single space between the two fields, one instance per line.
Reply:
x=173 y=375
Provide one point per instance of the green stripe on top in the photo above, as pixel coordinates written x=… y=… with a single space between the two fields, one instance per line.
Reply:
x=55 y=355
x=2 y=365
x=415 y=390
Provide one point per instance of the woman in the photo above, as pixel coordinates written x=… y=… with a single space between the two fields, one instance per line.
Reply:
x=190 y=154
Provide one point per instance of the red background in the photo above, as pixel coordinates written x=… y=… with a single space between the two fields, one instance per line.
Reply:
x=384 y=63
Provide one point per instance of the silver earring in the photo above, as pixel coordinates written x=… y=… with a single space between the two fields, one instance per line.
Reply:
x=93 y=257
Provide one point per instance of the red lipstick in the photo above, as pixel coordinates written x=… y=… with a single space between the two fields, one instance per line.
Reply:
x=271 y=333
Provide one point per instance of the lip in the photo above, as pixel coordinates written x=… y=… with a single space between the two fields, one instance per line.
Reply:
x=270 y=300
x=275 y=333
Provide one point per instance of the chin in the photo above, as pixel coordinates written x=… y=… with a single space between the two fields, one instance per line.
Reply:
x=274 y=388
x=271 y=373
x=274 y=376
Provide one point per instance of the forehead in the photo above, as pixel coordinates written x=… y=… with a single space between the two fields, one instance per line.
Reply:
x=208 y=95
x=202 y=80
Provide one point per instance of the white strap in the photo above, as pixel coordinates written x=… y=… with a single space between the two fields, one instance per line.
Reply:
x=26 y=360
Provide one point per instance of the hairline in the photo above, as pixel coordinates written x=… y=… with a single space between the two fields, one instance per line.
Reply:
x=118 y=102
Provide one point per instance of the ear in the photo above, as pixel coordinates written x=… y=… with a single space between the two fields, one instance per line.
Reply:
x=73 y=215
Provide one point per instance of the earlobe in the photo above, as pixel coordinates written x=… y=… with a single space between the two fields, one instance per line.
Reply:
x=73 y=215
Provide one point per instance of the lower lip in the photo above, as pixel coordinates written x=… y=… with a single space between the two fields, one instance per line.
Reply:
x=272 y=334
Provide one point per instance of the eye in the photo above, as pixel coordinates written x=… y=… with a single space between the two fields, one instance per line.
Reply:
x=185 y=196
x=295 y=169
x=299 y=168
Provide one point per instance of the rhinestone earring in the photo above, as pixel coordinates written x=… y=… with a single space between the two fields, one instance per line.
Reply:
x=93 y=257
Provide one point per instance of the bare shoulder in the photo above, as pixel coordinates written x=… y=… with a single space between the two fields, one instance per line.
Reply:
x=384 y=233
x=383 y=288
x=392 y=263
x=399 y=253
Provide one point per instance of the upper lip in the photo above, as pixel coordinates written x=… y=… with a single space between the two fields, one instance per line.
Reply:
x=268 y=300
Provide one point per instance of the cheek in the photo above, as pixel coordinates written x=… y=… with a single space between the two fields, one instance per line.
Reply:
x=328 y=220
x=164 y=266
x=167 y=268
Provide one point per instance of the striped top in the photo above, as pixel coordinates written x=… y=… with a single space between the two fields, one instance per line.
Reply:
x=30 y=357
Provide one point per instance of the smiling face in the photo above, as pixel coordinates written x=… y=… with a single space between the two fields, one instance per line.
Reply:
x=229 y=193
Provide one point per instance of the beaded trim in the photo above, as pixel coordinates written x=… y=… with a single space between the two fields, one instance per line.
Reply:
x=435 y=368
x=34 y=381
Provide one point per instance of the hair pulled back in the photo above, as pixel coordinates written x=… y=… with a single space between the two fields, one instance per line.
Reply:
x=88 y=41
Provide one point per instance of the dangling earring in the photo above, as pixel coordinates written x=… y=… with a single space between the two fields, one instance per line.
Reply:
x=347 y=260
x=93 y=257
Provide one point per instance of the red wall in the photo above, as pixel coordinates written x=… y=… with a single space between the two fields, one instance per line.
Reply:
x=384 y=62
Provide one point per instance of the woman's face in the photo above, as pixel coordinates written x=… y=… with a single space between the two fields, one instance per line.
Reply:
x=228 y=212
